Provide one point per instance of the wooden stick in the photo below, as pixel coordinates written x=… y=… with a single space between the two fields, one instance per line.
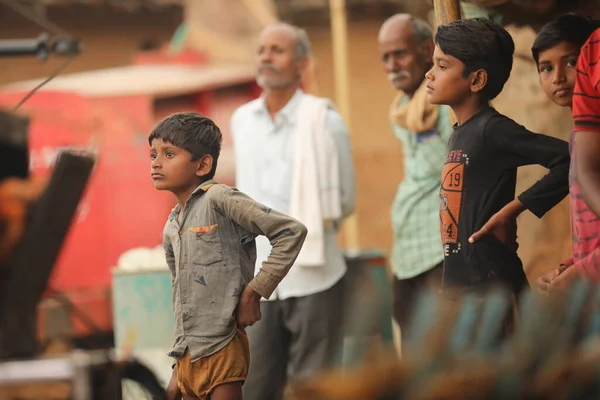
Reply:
x=446 y=11
x=309 y=78
x=263 y=11
x=339 y=33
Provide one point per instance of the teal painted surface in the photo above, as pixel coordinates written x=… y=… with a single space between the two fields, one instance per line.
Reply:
x=384 y=294
x=177 y=43
x=142 y=306
x=367 y=308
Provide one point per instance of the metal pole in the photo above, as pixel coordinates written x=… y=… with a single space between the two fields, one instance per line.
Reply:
x=339 y=33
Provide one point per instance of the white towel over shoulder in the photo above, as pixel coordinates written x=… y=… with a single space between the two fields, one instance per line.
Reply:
x=315 y=198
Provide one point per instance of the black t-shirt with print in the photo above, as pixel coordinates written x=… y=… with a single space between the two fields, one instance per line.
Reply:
x=478 y=179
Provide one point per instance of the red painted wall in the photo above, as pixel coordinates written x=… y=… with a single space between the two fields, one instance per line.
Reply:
x=120 y=209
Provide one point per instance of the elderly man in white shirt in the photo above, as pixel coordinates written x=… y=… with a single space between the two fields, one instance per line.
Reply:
x=293 y=155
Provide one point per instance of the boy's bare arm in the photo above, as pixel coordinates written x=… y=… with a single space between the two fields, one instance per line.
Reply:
x=587 y=148
x=586 y=115
x=285 y=234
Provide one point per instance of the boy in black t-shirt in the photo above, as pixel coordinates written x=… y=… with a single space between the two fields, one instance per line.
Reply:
x=478 y=209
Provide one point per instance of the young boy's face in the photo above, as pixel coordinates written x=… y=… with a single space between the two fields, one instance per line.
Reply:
x=445 y=81
x=556 y=67
x=171 y=167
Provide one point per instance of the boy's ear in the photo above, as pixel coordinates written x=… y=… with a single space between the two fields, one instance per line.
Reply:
x=205 y=164
x=479 y=79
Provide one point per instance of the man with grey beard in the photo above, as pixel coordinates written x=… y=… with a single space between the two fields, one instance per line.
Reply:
x=293 y=155
x=406 y=50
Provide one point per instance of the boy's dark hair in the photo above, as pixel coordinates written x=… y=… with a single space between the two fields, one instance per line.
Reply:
x=570 y=28
x=193 y=132
x=479 y=43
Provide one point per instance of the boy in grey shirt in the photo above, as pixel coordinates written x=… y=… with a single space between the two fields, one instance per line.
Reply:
x=210 y=249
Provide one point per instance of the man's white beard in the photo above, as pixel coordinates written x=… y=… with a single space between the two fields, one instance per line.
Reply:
x=262 y=82
x=398 y=75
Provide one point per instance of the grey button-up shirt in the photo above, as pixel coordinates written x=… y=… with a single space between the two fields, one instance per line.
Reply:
x=211 y=253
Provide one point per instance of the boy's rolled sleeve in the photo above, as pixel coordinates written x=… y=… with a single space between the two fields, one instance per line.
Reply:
x=263 y=284
x=285 y=234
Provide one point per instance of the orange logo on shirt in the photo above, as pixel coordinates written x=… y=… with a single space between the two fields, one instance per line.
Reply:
x=450 y=201
x=204 y=229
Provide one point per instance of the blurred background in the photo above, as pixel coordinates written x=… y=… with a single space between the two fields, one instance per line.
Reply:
x=144 y=59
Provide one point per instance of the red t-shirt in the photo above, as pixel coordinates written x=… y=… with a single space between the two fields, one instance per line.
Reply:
x=585 y=225
x=586 y=97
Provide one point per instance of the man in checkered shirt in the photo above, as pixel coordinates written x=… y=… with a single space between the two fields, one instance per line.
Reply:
x=406 y=50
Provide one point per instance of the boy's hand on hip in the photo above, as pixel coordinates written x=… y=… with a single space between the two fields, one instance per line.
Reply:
x=248 y=312
x=502 y=225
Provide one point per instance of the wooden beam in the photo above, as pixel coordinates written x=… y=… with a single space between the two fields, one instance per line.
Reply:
x=263 y=11
x=339 y=36
x=446 y=11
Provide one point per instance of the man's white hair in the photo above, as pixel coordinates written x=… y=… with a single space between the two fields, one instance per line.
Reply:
x=302 y=46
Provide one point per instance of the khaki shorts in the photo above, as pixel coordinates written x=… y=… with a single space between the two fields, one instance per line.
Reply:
x=228 y=365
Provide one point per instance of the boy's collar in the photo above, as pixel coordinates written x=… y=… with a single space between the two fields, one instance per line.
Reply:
x=201 y=189
x=474 y=116
x=204 y=186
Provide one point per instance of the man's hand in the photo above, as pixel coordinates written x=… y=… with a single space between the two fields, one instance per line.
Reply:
x=248 y=312
x=502 y=225
x=173 y=392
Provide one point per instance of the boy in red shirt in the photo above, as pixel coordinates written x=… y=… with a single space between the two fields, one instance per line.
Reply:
x=556 y=50
x=568 y=79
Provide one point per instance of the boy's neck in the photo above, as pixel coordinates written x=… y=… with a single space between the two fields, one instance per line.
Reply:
x=468 y=108
x=184 y=195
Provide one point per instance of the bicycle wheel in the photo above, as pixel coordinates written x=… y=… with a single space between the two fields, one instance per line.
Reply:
x=138 y=382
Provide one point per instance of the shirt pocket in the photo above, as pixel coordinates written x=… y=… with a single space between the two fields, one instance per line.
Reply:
x=208 y=249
